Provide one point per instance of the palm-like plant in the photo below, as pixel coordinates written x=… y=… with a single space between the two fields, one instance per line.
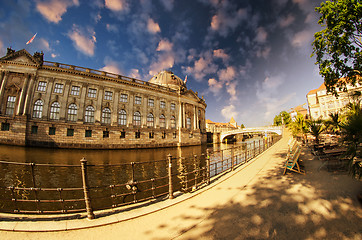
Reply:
x=299 y=126
x=352 y=136
x=316 y=127
x=334 y=122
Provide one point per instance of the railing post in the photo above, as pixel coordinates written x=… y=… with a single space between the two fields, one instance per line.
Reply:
x=246 y=153
x=208 y=166
x=254 y=150
x=170 y=186
x=87 y=199
x=232 y=159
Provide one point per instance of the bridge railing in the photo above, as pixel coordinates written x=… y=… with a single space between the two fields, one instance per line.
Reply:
x=33 y=188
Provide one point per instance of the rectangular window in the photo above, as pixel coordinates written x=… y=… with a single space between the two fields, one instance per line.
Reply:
x=162 y=104
x=92 y=93
x=105 y=134
x=75 y=91
x=163 y=135
x=5 y=126
x=151 y=135
x=151 y=102
x=70 y=132
x=51 y=130
x=137 y=100
x=10 y=105
x=173 y=106
x=123 y=98
x=58 y=88
x=88 y=133
x=34 y=129
x=42 y=86
x=108 y=95
x=122 y=134
x=188 y=123
x=174 y=134
x=137 y=134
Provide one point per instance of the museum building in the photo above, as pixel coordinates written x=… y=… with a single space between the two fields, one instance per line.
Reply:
x=50 y=104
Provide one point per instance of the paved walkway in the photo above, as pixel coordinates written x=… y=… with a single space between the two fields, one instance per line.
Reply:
x=255 y=201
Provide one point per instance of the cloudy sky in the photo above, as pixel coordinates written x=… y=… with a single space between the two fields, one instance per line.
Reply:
x=250 y=59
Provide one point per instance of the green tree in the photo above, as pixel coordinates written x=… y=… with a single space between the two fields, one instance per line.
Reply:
x=333 y=123
x=338 y=46
x=299 y=127
x=316 y=127
x=282 y=118
x=278 y=120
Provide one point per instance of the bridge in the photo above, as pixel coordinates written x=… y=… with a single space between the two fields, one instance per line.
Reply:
x=268 y=129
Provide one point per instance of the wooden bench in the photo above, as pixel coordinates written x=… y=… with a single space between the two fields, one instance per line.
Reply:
x=292 y=159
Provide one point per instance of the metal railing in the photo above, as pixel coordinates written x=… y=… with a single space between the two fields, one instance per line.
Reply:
x=23 y=189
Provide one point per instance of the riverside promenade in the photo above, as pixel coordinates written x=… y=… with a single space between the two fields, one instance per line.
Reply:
x=255 y=201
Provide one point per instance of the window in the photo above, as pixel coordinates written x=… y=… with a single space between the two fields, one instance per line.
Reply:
x=137 y=119
x=54 y=111
x=137 y=134
x=70 y=132
x=38 y=109
x=162 y=121
x=10 y=105
x=34 y=129
x=106 y=134
x=42 y=86
x=173 y=106
x=122 y=134
x=5 y=126
x=123 y=97
x=163 y=135
x=188 y=123
x=92 y=93
x=191 y=135
x=150 y=120
x=173 y=122
x=199 y=112
x=151 y=135
x=137 y=100
x=108 y=95
x=75 y=91
x=89 y=115
x=122 y=117
x=51 y=130
x=106 y=116
x=162 y=104
x=151 y=102
x=72 y=112
x=58 y=88
x=174 y=134
x=88 y=133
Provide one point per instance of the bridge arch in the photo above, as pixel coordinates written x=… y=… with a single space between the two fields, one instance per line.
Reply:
x=271 y=129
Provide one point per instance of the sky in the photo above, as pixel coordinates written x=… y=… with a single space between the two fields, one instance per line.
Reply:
x=250 y=59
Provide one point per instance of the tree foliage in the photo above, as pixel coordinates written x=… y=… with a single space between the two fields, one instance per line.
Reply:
x=282 y=118
x=338 y=47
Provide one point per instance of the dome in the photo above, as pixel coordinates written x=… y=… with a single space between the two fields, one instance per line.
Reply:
x=167 y=79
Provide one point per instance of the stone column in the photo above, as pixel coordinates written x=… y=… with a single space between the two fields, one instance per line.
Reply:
x=28 y=96
x=195 y=123
x=64 y=101
x=24 y=89
x=114 y=113
x=98 y=112
x=81 y=106
x=3 y=84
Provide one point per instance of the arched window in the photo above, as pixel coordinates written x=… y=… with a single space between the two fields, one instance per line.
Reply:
x=137 y=119
x=89 y=115
x=150 y=120
x=54 y=111
x=173 y=122
x=122 y=117
x=162 y=121
x=38 y=109
x=72 y=112
x=106 y=116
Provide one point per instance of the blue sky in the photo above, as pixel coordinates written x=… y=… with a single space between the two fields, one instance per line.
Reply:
x=250 y=59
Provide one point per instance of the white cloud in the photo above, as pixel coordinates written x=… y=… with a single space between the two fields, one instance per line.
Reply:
x=112 y=28
x=164 y=45
x=220 y=53
x=111 y=66
x=303 y=38
x=152 y=26
x=44 y=44
x=263 y=52
x=164 y=61
x=261 y=35
x=202 y=66
x=226 y=19
x=134 y=73
x=286 y=21
x=214 y=86
x=83 y=42
x=53 y=55
x=53 y=10
x=227 y=74
x=231 y=89
x=168 y=4
x=117 y=5
x=229 y=111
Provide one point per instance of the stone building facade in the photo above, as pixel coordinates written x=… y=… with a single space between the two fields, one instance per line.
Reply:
x=58 y=105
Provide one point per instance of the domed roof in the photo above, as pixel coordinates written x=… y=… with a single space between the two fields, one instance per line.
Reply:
x=167 y=79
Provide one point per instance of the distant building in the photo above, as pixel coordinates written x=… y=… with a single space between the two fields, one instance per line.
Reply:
x=213 y=127
x=298 y=110
x=321 y=104
x=58 y=105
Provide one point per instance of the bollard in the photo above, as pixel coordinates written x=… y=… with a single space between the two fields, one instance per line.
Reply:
x=170 y=186
x=208 y=166
x=87 y=199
